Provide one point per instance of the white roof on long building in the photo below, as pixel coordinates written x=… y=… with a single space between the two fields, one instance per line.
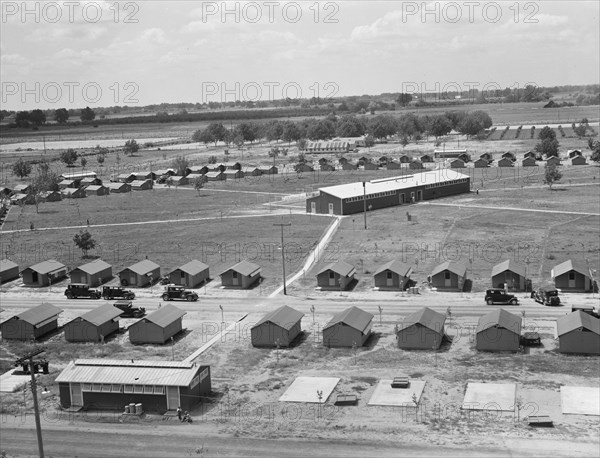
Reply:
x=344 y=191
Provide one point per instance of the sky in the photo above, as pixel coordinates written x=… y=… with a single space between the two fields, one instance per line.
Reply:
x=97 y=53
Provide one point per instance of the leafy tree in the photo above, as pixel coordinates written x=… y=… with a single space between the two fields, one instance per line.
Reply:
x=409 y=126
x=61 y=115
x=552 y=175
x=382 y=126
x=22 y=119
x=323 y=129
x=372 y=107
x=131 y=147
x=291 y=132
x=212 y=159
x=84 y=241
x=273 y=130
x=343 y=107
x=100 y=159
x=204 y=136
x=180 y=164
x=369 y=141
x=21 y=168
x=404 y=99
x=87 y=114
x=474 y=123
x=69 y=157
x=439 y=125
x=37 y=117
x=217 y=132
x=301 y=144
x=83 y=162
x=548 y=147
x=594 y=145
x=199 y=183
x=547 y=133
x=45 y=180
x=350 y=126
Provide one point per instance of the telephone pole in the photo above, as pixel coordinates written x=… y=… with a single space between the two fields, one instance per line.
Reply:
x=282 y=253
x=365 y=201
x=33 y=365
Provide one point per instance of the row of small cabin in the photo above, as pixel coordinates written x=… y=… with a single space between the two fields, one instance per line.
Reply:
x=498 y=330
x=570 y=275
x=94 y=326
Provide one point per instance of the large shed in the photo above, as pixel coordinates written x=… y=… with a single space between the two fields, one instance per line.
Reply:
x=158 y=327
x=96 y=190
x=578 y=332
x=572 y=276
x=498 y=330
x=529 y=162
x=93 y=273
x=337 y=275
x=510 y=272
x=31 y=324
x=449 y=276
x=190 y=274
x=346 y=199
x=44 y=273
x=111 y=384
x=393 y=275
x=421 y=330
x=118 y=188
x=242 y=275
x=141 y=185
x=94 y=325
x=140 y=274
x=8 y=270
x=351 y=327
x=277 y=328
x=578 y=160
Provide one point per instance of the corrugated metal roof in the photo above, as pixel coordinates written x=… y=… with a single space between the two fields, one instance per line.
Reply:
x=95 y=187
x=7 y=264
x=340 y=268
x=193 y=267
x=38 y=314
x=164 y=316
x=500 y=318
x=78 y=175
x=576 y=320
x=101 y=315
x=455 y=267
x=164 y=373
x=213 y=174
x=139 y=182
x=426 y=317
x=245 y=268
x=94 y=267
x=115 y=185
x=142 y=267
x=343 y=191
x=353 y=317
x=511 y=265
x=569 y=265
x=397 y=267
x=46 y=267
x=285 y=317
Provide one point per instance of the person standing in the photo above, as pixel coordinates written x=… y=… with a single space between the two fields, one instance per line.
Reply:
x=179 y=413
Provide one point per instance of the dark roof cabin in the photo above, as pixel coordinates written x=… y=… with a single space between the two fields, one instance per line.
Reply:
x=351 y=327
x=421 y=330
x=31 y=324
x=277 y=328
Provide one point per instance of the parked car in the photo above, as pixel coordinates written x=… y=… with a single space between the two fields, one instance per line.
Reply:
x=546 y=296
x=589 y=309
x=129 y=311
x=499 y=296
x=116 y=292
x=178 y=292
x=76 y=290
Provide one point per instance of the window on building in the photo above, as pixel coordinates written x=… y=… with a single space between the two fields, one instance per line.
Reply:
x=331 y=274
x=117 y=388
x=159 y=390
x=389 y=275
x=96 y=387
x=106 y=387
x=447 y=275
x=86 y=387
x=149 y=389
x=572 y=275
x=128 y=389
x=138 y=388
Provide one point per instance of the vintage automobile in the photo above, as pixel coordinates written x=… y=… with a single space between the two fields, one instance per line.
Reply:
x=128 y=310
x=77 y=290
x=116 y=292
x=499 y=296
x=546 y=296
x=178 y=292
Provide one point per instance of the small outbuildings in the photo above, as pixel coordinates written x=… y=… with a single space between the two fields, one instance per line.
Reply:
x=578 y=160
x=278 y=328
x=481 y=163
x=8 y=270
x=337 y=275
x=449 y=276
x=158 y=327
x=393 y=275
x=572 y=276
x=31 y=324
x=578 y=332
x=506 y=162
x=457 y=164
x=140 y=274
x=510 y=272
x=141 y=185
x=498 y=330
x=421 y=330
x=553 y=160
x=242 y=275
x=44 y=273
x=92 y=274
x=158 y=386
x=118 y=188
x=349 y=328
x=93 y=326
x=529 y=162
x=190 y=274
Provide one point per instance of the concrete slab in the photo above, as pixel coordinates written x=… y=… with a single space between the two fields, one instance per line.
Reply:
x=490 y=396
x=581 y=400
x=540 y=402
x=304 y=389
x=385 y=395
x=10 y=382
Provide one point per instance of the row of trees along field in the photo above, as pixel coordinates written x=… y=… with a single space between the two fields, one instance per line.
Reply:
x=409 y=127
x=37 y=117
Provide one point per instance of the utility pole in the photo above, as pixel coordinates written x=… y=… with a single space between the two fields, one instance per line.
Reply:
x=33 y=365
x=282 y=253
x=365 y=201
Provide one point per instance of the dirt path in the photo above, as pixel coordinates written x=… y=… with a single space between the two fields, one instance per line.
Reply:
x=492 y=207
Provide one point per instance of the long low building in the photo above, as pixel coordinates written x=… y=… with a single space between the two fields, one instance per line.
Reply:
x=111 y=384
x=346 y=199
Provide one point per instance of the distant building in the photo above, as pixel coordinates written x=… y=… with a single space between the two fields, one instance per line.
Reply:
x=336 y=276
x=8 y=270
x=96 y=191
x=349 y=328
x=117 y=188
x=578 y=160
x=139 y=185
x=31 y=324
x=529 y=162
x=277 y=328
x=448 y=153
x=481 y=163
x=553 y=161
x=498 y=330
x=44 y=273
x=457 y=164
x=506 y=162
